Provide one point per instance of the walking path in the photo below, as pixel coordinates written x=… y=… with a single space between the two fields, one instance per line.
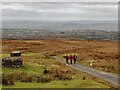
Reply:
x=111 y=78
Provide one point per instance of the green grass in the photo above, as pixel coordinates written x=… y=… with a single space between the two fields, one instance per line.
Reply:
x=77 y=83
x=34 y=63
x=26 y=68
x=4 y=55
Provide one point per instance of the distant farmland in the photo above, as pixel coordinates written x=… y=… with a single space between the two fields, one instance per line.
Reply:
x=44 y=34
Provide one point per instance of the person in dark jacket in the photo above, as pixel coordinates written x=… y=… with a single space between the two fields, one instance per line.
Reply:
x=67 y=58
x=75 y=59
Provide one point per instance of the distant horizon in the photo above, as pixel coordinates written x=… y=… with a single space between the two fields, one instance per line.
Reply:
x=60 y=16
x=61 y=25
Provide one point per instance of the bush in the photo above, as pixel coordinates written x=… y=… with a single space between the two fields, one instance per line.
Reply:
x=64 y=77
x=59 y=74
x=44 y=78
x=8 y=79
x=47 y=76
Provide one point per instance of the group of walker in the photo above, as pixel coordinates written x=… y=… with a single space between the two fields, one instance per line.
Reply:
x=71 y=58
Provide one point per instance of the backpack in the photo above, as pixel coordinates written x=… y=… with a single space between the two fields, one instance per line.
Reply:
x=75 y=57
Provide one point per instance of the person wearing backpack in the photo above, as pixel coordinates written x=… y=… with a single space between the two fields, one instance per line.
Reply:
x=75 y=59
x=67 y=58
x=71 y=58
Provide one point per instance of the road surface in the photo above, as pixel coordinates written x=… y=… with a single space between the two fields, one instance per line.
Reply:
x=111 y=78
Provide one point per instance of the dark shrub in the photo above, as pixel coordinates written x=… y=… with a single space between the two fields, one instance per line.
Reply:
x=46 y=71
x=64 y=77
x=59 y=74
x=8 y=79
x=47 y=76
x=44 y=78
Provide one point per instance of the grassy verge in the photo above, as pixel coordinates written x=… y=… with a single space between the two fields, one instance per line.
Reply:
x=102 y=65
x=77 y=83
x=57 y=74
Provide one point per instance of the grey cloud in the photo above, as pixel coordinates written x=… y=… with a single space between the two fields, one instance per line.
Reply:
x=60 y=11
x=60 y=0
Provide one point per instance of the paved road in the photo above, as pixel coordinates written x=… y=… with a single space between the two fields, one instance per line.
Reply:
x=111 y=78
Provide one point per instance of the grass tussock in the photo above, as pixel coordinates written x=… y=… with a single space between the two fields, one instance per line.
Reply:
x=47 y=76
x=60 y=74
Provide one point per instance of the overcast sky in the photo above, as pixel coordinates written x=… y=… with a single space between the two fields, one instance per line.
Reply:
x=60 y=1
x=59 y=11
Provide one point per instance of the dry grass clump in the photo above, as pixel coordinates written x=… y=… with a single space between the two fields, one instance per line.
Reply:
x=10 y=79
x=43 y=78
x=60 y=74
x=54 y=73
